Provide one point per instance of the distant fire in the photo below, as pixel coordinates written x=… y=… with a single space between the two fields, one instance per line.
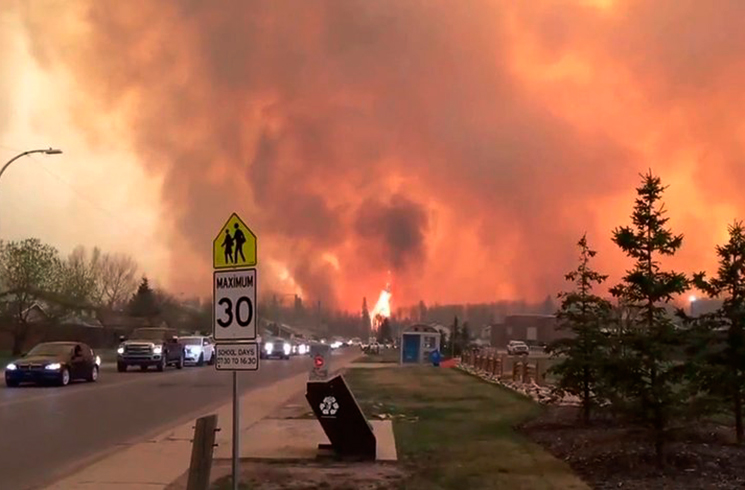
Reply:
x=382 y=309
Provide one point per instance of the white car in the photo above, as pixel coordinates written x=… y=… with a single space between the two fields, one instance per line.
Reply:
x=198 y=350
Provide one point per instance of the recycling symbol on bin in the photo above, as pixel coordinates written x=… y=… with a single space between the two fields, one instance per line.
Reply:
x=329 y=406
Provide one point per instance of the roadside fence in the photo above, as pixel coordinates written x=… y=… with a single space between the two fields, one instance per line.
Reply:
x=520 y=369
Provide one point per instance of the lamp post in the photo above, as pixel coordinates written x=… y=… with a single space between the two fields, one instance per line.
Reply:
x=48 y=151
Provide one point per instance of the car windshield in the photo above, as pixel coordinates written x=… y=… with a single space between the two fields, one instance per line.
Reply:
x=192 y=341
x=147 y=334
x=50 y=350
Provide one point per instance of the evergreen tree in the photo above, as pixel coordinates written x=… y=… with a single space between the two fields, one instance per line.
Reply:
x=454 y=336
x=649 y=375
x=144 y=303
x=465 y=337
x=366 y=322
x=583 y=314
x=384 y=332
x=721 y=371
x=548 y=307
x=422 y=311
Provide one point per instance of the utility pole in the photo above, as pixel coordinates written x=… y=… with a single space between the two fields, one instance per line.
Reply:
x=318 y=320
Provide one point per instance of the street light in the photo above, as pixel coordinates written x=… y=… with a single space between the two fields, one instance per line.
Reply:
x=48 y=151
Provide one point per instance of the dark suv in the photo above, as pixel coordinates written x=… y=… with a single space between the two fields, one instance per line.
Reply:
x=147 y=347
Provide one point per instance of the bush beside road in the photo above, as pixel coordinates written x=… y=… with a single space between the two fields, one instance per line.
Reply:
x=453 y=431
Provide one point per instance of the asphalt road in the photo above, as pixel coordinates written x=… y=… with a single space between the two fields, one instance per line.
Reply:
x=47 y=431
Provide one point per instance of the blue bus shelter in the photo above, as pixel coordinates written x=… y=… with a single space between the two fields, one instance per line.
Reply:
x=418 y=342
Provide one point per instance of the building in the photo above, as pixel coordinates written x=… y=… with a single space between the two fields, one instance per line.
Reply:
x=703 y=306
x=418 y=342
x=527 y=327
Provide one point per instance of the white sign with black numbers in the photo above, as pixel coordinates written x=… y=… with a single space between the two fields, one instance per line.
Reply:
x=237 y=357
x=234 y=298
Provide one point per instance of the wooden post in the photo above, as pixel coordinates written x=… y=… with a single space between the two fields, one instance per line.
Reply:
x=201 y=453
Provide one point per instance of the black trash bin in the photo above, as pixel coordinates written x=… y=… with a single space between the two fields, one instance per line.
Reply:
x=341 y=418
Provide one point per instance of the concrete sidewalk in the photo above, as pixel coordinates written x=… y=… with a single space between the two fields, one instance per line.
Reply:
x=158 y=461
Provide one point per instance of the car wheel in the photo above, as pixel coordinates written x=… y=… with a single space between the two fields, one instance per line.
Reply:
x=162 y=365
x=200 y=362
x=93 y=377
x=11 y=384
x=121 y=367
x=212 y=359
x=64 y=377
x=180 y=363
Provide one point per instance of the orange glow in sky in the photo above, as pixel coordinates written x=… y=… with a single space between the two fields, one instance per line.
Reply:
x=465 y=146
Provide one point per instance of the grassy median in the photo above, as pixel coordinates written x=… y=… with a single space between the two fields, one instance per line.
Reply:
x=455 y=431
x=385 y=356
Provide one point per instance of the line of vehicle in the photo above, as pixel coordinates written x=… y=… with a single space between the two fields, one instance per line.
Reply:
x=153 y=433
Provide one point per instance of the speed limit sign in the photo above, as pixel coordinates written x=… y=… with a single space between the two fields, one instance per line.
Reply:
x=234 y=297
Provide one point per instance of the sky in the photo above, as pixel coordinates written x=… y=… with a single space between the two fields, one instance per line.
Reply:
x=457 y=149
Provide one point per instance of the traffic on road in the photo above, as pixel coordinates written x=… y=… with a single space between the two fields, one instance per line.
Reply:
x=102 y=408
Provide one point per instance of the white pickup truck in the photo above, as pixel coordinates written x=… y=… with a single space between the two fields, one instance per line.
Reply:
x=517 y=348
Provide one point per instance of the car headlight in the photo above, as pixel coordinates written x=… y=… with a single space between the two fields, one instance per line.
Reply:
x=98 y=361
x=269 y=347
x=158 y=349
x=11 y=367
x=287 y=348
x=120 y=350
x=55 y=366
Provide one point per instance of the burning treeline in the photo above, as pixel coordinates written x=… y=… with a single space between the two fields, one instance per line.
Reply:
x=382 y=308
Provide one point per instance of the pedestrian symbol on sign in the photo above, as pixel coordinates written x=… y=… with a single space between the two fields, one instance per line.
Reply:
x=235 y=246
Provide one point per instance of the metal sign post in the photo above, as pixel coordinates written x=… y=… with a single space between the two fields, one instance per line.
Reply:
x=235 y=312
x=236 y=431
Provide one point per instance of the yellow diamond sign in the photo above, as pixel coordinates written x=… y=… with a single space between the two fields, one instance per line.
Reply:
x=234 y=245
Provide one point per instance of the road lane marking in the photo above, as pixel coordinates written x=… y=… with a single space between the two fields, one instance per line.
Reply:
x=61 y=391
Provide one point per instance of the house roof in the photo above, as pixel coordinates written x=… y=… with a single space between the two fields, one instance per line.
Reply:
x=420 y=327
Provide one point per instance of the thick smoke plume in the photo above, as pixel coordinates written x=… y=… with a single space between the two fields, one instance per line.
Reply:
x=465 y=145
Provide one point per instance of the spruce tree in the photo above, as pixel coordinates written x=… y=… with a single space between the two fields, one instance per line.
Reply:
x=366 y=321
x=722 y=370
x=465 y=337
x=144 y=304
x=650 y=374
x=454 y=337
x=584 y=315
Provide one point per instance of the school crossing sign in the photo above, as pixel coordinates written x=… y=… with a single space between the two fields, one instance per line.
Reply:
x=234 y=246
x=234 y=284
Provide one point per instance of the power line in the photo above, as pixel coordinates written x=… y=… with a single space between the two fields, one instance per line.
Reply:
x=91 y=202
x=83 y=197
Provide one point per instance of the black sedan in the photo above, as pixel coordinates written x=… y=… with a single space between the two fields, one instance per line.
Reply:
x=54 y=362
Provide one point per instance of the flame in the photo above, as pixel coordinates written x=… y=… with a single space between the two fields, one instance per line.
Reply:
x=382 y=308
